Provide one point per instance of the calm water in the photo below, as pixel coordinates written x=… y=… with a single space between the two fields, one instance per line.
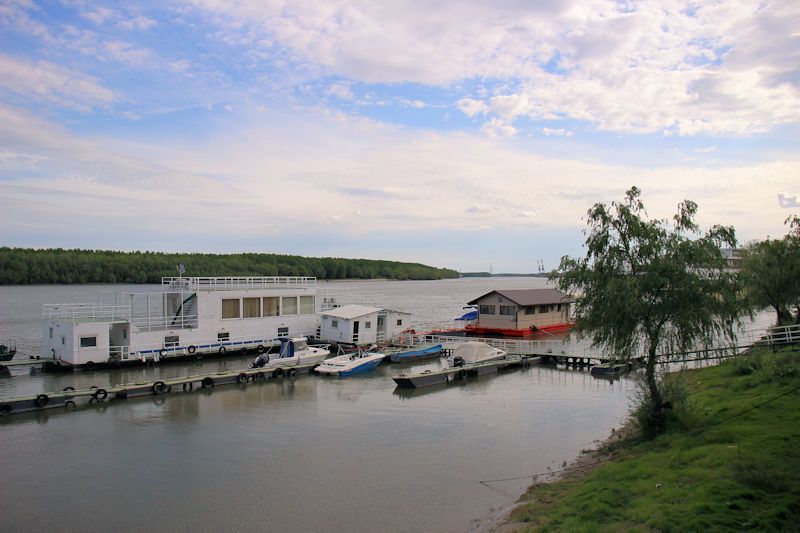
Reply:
x=308 y=454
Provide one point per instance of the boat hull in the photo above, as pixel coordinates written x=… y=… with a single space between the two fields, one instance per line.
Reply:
x=351 y=367
x=415 y=355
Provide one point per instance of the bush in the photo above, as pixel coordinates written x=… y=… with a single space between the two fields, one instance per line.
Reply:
x=648 y=421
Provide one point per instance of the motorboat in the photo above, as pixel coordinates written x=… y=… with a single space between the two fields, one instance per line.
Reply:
x=474 y=352
x=8 y=349
x=351 y=363
x=292 y=352
x=404 y=355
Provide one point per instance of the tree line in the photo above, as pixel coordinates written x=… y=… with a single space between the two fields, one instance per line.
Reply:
x=22 y=266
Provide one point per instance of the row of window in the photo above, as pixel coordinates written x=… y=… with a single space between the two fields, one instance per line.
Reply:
x=267 y=306
x=512 y=309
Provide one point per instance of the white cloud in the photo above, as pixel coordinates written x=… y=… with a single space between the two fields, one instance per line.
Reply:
x=788 y=201
x=48 y=82
x=340 y=90
x=557 y=132
x=137 y=23
x=100 y=15
x=496 y=127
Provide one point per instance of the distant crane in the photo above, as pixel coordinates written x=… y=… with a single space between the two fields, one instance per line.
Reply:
x=540 y=265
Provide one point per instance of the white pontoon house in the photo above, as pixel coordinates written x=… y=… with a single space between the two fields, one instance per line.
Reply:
x=361 y=324
x=187 y=316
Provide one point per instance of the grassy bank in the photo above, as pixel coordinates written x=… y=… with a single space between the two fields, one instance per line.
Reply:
x=729 y=462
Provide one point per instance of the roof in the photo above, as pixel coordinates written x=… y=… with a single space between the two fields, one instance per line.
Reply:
x=530 y=296
x=351 y=311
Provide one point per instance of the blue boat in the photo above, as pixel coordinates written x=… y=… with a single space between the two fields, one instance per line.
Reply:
x=350 y=364
x=412 y=354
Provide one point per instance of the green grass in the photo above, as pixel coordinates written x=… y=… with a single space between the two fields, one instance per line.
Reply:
x=707 y=472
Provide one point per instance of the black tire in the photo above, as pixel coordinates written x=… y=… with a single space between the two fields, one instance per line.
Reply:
x=207 y=382
x=278 y=372
x=159 y=387
x=259 y=376
x=260 y=348
x=70 y=403
x=191 y=349
x=100 y=395
x=462 y=374
x=162 y=352
x=42 y=400
x=89 y=365
x=242 y=377
x=291 y=372
x=122 y=394
x=222 y=350
x=188 y=386
x=5 y=408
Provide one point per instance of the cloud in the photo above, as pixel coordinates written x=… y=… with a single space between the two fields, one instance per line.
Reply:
x=559 y=132
x=340 y=90
x=100 y=15
x=788 y=201
x=496 y=127
x=137 y=23
x=45 y=81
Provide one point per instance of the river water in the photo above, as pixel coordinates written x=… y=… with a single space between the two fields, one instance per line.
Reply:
x=302 y=454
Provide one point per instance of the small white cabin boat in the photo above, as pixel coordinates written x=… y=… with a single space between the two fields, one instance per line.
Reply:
x=292 y=352
x=473 y=352
x=187 y=316
x=350 y=363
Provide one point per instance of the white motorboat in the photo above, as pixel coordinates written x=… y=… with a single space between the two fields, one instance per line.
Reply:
x=292 y=352
x=473 y=352
x=351 y=363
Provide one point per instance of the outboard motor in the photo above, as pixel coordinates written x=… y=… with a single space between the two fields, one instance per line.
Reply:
x=260 y=361
x=458 y=361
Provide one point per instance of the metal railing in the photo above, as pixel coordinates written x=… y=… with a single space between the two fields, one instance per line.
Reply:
x=239 y=283
x=85 y=312
x=161 y=323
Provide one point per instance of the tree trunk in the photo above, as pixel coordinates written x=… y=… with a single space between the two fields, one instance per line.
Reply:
x=650 y=375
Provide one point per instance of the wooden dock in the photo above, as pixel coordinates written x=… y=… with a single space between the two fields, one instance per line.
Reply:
x=427 y=378
x=69 y=397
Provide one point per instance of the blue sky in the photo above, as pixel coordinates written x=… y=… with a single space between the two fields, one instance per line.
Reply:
x=459 y=134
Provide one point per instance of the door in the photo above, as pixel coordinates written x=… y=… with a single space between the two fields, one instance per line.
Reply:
x=355 y=331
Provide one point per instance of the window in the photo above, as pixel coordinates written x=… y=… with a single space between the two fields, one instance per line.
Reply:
x=283 y=332
x=558 y=307
x=544 y=308
x=124 y=333
x=399 y=322
x=63 y=340
x=367 y=325
x=230 y=308
x=508 y=310
x=306 y=305
x=487 y=310
x=251 y=307
x=170 y=341
x=289 y=305
x=272 y=306
x=334 y=323
x=51 y=333
x=530 y=309
x=223 y=336
x=86 y=342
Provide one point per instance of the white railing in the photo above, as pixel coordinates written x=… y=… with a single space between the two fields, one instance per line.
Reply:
x=160 y=323
x=85 y=312
x=778 y=335
x=238 y=283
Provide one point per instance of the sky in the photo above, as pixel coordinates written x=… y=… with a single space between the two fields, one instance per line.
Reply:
x=458 y=133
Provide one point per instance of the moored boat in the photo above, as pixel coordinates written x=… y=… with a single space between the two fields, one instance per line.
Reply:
x=404 y=355
x=292 y=352
x=473 y=352
x=8 y=349
x=350 y=363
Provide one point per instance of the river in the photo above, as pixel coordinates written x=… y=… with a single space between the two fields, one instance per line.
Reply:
x=303 y=454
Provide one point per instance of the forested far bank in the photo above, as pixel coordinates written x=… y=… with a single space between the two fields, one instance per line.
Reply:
x=26 y=266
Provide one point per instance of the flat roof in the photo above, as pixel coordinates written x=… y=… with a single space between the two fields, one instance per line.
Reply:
x=351 y=311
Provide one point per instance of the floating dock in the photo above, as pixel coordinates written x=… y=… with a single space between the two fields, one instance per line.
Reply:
x=68 y=397
x=427 y=378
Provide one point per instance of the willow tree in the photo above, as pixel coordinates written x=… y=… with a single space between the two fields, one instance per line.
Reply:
x=771 y=273
x=650 y=287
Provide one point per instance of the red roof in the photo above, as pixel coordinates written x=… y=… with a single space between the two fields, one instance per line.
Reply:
x=524 y=297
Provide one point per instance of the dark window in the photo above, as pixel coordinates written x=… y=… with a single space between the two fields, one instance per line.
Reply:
x=487 y=310
x=88 y=342
x=367 y=325
x=544 y=308
x=171 y=341
x=530 y=309
x=508 y=310
x=283 y=332
x=224 y=336
x=399 y=322
x=334 y=323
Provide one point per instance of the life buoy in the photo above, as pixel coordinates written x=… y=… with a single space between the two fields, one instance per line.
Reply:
x=291 y=372
x=70 y=403
x=191 y=349
x=188 y=386
x=242 y=377
x=159 y=387
x=207 y=382
x=260 y=348
x=100 y=395
x=42 y=400
x=222 y=350
x=278 y=372
x=162 y=352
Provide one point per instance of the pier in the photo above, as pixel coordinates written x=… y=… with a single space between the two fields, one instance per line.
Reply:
x=69 y=397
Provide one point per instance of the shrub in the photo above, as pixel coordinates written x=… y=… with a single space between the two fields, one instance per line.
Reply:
x=649 y=422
